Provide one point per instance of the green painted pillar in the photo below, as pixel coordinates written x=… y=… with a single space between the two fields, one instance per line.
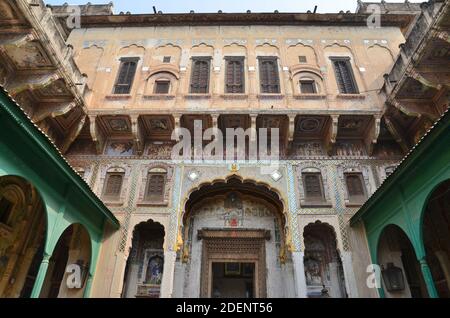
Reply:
x=87 y=289
x=40 y=276
x=426 y=272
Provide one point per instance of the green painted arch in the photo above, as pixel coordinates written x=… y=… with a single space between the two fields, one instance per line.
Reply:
x=62 y=225
x=379 y=234
x=375 y=249
x=55 y=225
x=94 y=240
x=439 y=181
x=60 y=234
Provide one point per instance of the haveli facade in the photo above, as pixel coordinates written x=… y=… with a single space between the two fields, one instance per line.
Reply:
x=349 y=100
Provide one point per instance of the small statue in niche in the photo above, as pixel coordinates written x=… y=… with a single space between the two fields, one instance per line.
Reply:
x=154 y=270
x=313 y=272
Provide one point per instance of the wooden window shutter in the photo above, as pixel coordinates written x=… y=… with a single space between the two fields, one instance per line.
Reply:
x=162 y=87
x=155 y=186
x=125 y=77
x=307 y=87
x=313 y=186
x=355 y=186
x=269 y=79
x=200 y=76
x=113 y=185
x=235 y=75
x=344 y=76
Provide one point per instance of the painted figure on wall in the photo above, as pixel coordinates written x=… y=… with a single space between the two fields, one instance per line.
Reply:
x=313 y=272
x=154 y=270
x=120 y=148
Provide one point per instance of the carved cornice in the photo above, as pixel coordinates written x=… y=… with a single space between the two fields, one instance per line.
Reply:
x=233 y=233
x=335 y=19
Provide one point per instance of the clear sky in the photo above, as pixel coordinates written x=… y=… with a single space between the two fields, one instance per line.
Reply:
x=179 y=6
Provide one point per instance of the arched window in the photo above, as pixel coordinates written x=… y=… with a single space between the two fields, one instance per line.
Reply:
x=308 y=86
x=162 y=86
x=307 y=80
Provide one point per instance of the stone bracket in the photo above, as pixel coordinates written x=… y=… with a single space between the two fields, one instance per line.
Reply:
x=17 y=39
x=138 y=135
x=97 y=136
x=372 y=135
x=253 y=127
x=330 y=138
x=74 y=132
x=31 y=83
x=397 y=134
x=53 y=111
x=418 y=77
x=415 y=109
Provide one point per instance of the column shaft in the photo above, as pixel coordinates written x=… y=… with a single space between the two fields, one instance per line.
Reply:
x=40 y=277
x=426 y=272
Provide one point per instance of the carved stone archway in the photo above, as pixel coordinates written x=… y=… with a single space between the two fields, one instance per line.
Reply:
x=236 y=221
x=235 y=183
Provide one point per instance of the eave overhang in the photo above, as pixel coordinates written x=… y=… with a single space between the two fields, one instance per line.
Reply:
x=50 y=151
x=211 y=19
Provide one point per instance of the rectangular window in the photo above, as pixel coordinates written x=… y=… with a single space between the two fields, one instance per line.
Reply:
x=5 y=210
x=125 y=77
x=162 y=87
x=113 y=185
x=307 y=87
x=234 y=75
x=166 y=59
x=344 y=75
x=355 y=187
x=155 y=187
x=312 y=183
x=302 y=59
x=268 y=75
x=200 y=75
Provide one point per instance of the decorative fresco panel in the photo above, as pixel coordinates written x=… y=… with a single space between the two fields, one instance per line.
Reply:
x=119 y=148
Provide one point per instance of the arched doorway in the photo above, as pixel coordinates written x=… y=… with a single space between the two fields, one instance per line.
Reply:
x=436 y=237
x=323 y=266
x=145 y=264
x=22 y=236
x=234 y=242
x=398 y=260
x=69 y=264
